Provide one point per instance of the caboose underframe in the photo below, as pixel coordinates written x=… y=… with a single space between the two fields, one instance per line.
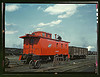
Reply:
x=44 y=58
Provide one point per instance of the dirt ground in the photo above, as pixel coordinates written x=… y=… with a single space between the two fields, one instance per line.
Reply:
x=78 y=65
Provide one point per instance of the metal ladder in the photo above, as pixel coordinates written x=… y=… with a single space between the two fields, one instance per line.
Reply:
x=58 y=60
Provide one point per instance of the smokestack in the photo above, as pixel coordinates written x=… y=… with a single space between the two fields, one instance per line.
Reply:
x=55 y=36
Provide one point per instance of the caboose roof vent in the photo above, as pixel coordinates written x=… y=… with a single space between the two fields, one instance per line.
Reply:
x=57 y=37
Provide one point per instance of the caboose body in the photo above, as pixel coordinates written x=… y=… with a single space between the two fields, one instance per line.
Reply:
x=41 y=44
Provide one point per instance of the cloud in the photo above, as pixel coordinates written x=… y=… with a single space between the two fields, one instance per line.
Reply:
x=40 y=8
x=63 y=10
x=59 y=8
x=11 y=8
x=9 y=24
x=67 y=14
x=17 y=45
x=90 y=47
x=10 y=32
x=42 y=26
x=52 y=23
x=38 y=28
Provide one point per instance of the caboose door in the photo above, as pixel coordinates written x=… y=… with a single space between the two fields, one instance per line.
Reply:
x=31 y=45
x=57 y=50
x=26 y=46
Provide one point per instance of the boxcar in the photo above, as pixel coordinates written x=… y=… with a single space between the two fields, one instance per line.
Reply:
x=42 y=45
x=77 y=52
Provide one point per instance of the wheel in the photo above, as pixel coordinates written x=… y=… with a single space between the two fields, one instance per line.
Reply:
x=37 y=64
x=27 y=60
x=52 y=58
x=66 y=58
x=71 y=57
x=6 y=62
x=31 y=64
x=84 y=56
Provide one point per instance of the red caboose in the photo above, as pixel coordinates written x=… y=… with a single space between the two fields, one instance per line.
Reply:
x=41 y=44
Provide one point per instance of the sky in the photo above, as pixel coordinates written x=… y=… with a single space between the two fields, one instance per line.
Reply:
x=75 y=23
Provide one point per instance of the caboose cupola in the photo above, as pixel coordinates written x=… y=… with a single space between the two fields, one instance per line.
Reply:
x=38 y=34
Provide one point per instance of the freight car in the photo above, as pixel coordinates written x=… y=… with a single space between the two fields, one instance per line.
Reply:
x=95 y=52
x=13 y=51
x=92 y=52
x=77 y=52
x=39 y=46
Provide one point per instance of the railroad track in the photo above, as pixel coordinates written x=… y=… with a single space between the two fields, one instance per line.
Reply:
x=72 y=65
x=66 y=67
x=18 y=64
x=75 y=67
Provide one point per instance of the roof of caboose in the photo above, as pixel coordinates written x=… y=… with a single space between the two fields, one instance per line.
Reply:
x=30 y=35
x=42 y=32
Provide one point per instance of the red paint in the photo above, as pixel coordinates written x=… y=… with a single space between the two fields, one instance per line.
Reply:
x=34 y=60
x=41 y=43
x=20 y=57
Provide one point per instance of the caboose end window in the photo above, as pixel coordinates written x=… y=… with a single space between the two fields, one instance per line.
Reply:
x=43 y=34
x=61 y=45
x=26 y=41
x=31 y=41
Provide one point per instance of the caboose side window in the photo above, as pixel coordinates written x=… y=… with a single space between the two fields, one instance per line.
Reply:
x=65 y=45
x=46 y=35
x=49 y=45
x=56 y=44
x=43 y=34
x=61 y=45
x=33 y=33
x=50 y=36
